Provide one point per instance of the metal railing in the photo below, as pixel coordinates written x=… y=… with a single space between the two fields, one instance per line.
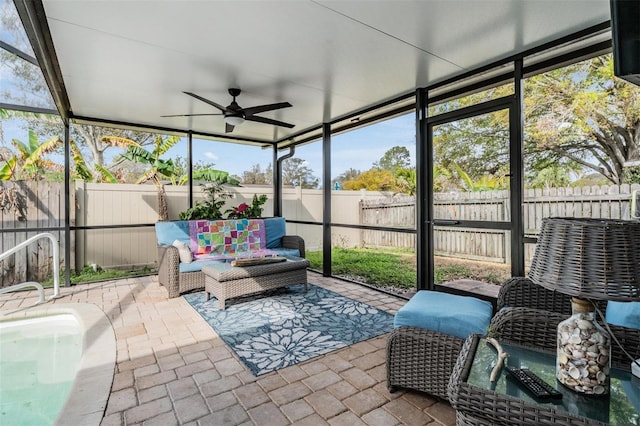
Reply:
x=56 y=267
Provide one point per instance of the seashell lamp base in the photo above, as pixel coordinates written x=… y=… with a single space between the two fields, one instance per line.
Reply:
x=584 y=351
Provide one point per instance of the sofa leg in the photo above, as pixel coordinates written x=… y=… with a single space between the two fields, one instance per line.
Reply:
x=207 y=296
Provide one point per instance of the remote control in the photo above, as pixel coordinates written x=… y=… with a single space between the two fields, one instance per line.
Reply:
x=537 y=387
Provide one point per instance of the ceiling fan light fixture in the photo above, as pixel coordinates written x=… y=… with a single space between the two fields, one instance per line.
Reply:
x=234 y=119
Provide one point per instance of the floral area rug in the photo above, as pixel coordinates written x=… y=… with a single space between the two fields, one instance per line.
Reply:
x=285 y=326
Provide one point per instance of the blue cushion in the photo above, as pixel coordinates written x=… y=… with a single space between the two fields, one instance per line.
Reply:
x=275 y=228
x=287 y=252
x=168 y=232
x=626 y=314
x=197 y=265
x=446 y=313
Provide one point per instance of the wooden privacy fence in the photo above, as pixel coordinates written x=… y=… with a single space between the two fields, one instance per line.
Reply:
x=611 y=202
x=40 y=204
x=23 y=205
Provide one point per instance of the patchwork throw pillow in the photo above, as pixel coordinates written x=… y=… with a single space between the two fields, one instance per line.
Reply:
x=223 y=238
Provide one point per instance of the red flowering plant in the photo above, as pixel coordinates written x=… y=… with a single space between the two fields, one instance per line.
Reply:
x=244 y=210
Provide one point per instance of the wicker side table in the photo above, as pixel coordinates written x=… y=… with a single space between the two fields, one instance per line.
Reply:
x=478 y=402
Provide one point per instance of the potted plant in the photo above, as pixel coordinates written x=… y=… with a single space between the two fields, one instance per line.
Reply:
x=245 y=211
x=216 y=195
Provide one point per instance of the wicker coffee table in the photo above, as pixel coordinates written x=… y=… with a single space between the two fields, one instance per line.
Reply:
x=225 y=281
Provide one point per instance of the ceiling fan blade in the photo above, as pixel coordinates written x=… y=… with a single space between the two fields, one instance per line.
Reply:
x=220 y=107
x=262 y=108
x=188 y=115
x=228 y=128
x=269 y=121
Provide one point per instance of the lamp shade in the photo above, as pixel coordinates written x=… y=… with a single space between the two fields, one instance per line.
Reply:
x=589 y=258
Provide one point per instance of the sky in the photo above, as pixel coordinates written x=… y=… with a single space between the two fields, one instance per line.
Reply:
x=357 y=149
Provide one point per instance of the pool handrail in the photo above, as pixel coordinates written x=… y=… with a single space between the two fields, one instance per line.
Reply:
x=37 y=286
x=56 y=266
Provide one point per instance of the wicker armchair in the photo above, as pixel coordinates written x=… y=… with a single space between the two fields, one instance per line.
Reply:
x=178 y=282
x=532 y=316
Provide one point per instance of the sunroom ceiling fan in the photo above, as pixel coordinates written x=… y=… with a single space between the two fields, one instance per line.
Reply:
x=234 y=114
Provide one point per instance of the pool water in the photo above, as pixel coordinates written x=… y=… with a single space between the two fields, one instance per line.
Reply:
x=39 y=358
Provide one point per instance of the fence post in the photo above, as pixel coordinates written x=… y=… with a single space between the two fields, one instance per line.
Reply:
x=81 y=220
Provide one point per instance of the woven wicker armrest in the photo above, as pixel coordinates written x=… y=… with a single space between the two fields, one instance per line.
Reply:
x=629 y=338
x=168 y=274
x=294 y=242
x=533 y=328
x=522 y=292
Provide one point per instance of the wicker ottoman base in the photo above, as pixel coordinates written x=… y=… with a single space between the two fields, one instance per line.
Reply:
x=225 y=281
x=421 y=359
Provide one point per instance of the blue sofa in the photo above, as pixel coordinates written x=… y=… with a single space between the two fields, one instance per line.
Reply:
x=180 y=277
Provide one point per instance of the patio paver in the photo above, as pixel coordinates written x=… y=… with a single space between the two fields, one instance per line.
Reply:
x=173 y=369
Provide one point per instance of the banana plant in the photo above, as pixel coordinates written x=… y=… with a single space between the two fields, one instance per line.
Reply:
x=29 y=161
x=159 y=168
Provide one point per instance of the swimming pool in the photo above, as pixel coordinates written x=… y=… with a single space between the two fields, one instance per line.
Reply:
x=56 y=365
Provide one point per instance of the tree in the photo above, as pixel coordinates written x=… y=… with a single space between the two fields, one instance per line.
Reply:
x=372 y=180
x=587 y=115
x=256 y=176
x=349 y=174
x=478 y=145
x=397 y=157
x=555 y=176
x=295 y=172
x=483 y=183
x=579 y=117
x=406 y=180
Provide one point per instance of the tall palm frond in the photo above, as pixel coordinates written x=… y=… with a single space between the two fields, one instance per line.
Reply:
x=80 y=166
x=150 y=174
x=106 y=175
x=40 y=150
x=164 y=145
x=138 y=154
x=213 y=175
x=119 y=142
x=7 y=171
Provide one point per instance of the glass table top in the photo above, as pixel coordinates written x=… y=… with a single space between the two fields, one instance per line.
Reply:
x=620 y=407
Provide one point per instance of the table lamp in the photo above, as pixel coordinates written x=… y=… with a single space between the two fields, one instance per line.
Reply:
x=589 y=259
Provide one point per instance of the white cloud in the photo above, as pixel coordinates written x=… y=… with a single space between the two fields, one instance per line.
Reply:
x=211 y=155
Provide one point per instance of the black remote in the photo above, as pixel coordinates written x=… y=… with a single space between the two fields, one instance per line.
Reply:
x=537 y=387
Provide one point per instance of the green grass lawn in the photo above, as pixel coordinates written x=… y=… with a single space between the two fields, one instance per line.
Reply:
x=397 y=268
x=88 y=275
x=376 y=267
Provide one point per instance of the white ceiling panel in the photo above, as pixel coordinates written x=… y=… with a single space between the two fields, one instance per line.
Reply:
x=130 y=61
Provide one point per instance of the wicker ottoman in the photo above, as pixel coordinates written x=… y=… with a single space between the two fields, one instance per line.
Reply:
x=429 y=333
x=225 y=281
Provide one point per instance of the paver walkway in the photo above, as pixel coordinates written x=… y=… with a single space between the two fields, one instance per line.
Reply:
x=173 y=369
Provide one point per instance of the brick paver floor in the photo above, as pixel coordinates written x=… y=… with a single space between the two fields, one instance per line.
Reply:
x=173 y=369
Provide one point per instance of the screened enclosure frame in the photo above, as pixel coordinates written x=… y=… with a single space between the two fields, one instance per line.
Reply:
x=513 y=69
